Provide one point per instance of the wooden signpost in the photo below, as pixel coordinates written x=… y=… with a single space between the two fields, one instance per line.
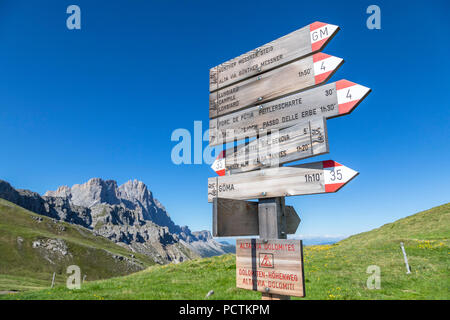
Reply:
x=293 y=77
x=274 y=97
x=295 y=45
x=329 y=101
x=270 y=266
x=311 y=178
x=305 y=139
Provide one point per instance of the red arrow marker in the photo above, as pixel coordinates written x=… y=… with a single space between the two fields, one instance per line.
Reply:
x=324 y=66
x=336 y=175
x=321 y=33
x=219 y=164
x=349 y=95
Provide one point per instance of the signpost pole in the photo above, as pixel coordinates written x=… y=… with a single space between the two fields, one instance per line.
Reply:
x=272 y=225
x=263 y=92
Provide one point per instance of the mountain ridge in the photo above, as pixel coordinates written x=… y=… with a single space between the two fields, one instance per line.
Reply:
x=127 y=214
x=33 y=247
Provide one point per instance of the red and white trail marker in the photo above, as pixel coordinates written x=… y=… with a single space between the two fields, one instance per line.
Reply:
x=349 y=95
x=335 y=175
x=311 y=178
x=324 y=66
x=321 y=33
x=219 y=164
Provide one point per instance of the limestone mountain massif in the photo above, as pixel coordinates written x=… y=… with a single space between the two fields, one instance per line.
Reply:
x=128 y=215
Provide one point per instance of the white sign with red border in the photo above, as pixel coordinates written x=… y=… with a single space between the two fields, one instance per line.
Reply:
x=311 y=178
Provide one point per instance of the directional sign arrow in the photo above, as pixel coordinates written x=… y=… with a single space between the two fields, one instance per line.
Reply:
x=317 y=177
x=292 y=220
x=305 y=139
x=288 y=48
x=232 y=218
x=329 y=101
x=293 y=77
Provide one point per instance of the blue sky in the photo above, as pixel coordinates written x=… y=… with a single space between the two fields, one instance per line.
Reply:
x=103 y=101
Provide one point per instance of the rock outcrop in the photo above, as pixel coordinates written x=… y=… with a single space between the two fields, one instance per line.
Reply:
x=206 y=246
x=128 y=215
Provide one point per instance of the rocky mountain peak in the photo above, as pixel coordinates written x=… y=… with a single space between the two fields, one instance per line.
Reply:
x=133 y=195
x=136 y=192
x=62 y=190
x=89 y=194
x=126 y=214
x=203 y=235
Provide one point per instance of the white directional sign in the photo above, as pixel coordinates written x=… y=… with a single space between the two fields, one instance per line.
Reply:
x=317 y=177
x=293 y=77
x=293 y=46
x=305 y=139
x=329 y=101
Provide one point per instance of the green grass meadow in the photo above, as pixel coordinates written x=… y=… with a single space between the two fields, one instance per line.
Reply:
x=332 y=272
x=23 y=267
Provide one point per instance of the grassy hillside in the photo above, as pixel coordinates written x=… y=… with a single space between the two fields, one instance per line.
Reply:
x=24 y=267
x=331 y=271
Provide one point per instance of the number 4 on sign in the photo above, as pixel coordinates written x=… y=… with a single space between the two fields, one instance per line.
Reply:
x=349 y=96
x=349 y=93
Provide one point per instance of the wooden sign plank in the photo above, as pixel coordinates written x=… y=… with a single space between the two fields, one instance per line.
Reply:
x=233 y=218
x=329 y=101
x=293 y=77
x=305 y=139
x=271 y=266
x=293 y=46
x=317 y=177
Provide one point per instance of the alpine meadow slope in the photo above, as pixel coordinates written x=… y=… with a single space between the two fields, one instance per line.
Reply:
x=127 y=214
x=337 y=271
x=33 y=246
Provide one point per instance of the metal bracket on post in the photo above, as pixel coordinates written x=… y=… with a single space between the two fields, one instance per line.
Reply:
x=282 y=219
x=215 y=226
x=272 y=218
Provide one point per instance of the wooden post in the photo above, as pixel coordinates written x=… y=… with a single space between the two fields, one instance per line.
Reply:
x=272 y=225
x=408 y=269
x=53 y=279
